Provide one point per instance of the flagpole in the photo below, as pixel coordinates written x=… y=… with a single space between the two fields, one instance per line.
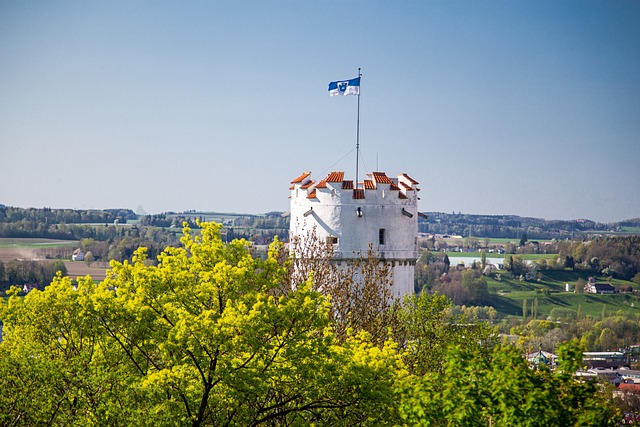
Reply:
x=358 y=131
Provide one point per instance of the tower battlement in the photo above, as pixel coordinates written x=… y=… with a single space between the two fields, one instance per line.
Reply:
x=377 y=186
x=380 y=213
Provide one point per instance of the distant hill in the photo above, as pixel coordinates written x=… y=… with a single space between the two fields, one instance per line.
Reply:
x=513 y=226
x=21 y=222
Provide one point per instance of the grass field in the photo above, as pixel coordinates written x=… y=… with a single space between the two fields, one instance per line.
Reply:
x=468 y=254
x=534 y=257
x=499 y=241
x=507 y=295
x=493 y=241
x=624 y=231
x=34 y=243
x=529 y=257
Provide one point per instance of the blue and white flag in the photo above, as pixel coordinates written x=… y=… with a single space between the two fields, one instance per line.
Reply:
x=345 y=87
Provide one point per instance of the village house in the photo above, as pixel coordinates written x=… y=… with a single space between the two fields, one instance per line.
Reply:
x=77 y=255
x=598 y=288
x=28 y=287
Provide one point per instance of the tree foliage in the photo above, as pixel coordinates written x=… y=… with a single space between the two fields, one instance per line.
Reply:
x=360 y=291
x=498 y=388
x=21 y=272
x=209 y=335
x=427 y=328
x=620 y=255
x=463 y=287
x=203 y=338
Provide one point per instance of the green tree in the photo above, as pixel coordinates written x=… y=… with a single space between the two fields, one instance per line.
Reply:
x=569 y=262
x=426 y=327
x=59 y=266
x=421 y=275
x=607 y=340
x=89 y=258
x=498 y=388
x=472 y=242
x=523 y=239
x=476 y=285
x=208 y=336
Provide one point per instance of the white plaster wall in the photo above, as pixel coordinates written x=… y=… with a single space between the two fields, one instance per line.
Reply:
x=403 y=279
x=333 y=213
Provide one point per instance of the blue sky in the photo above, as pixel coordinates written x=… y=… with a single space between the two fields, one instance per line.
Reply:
x=495 y=107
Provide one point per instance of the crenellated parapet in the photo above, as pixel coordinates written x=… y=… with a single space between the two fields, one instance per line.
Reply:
x=381 y=213
x=377 y=185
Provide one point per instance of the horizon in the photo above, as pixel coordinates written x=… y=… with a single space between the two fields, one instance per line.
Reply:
x=239 y=213
x=531 y=108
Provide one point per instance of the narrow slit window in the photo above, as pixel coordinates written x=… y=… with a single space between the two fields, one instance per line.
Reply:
x=382 y=236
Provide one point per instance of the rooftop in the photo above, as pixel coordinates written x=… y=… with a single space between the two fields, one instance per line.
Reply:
x=402 y=184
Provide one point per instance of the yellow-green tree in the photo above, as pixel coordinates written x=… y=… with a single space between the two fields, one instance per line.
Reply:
x=208 y=336
x=427 y=329
x=498 y=388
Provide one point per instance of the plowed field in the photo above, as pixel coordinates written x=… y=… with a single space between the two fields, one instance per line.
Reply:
x=74 y=268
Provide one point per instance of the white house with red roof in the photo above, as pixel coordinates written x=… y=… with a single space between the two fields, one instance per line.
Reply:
x=380 y=212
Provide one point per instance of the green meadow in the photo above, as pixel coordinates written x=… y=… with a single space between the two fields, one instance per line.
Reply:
x=6 y=242
x=507 y=295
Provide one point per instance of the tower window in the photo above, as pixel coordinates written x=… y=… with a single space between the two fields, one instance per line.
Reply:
x=382 y=236
x=332 y=240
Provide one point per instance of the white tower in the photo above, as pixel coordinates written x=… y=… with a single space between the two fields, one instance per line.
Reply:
x=382 y=214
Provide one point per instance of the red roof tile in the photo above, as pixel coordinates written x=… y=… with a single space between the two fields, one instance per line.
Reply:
x=312 y=195
x=300 y=178
x=411 y=180
x=358 y=193
x=308 y=184
x=335 y=177
x=381 y=177
x=322 y=184
x=369 y=185
x=292 y=187
x=629 y=387
x=394 y=187
x=401 y=196
x=406 y=187
x=347 y=185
